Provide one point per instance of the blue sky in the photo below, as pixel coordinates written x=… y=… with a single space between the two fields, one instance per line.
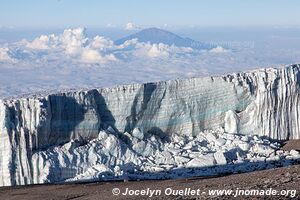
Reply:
x=95 y=13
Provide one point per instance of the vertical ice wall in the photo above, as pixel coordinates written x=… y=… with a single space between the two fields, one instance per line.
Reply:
x=264 y=102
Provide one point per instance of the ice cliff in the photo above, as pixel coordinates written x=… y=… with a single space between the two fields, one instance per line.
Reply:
x=262 y=102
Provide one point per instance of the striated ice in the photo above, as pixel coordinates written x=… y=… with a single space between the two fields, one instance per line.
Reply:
x=56 y=137
x=231 y=122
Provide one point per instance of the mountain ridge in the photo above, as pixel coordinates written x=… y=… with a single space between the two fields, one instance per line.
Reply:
x=156 y=35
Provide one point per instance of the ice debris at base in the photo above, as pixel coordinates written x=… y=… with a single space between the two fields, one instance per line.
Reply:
x=134 y=155
x=262 y=102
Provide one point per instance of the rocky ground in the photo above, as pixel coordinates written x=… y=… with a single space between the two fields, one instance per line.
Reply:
x=284 y=178
x=291 y=145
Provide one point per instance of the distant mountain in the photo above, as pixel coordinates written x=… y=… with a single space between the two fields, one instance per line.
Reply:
x=156 y=35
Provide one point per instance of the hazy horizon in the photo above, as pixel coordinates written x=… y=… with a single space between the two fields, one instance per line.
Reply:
x=44 y=46
x=92 y=13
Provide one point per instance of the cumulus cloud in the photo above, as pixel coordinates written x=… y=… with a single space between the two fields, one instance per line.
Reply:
x=219 y=49
x=4 y=55
x=90 y=56
x=131 y=26
x=60 y=60
x=75 y=45
x=73 y=40
x=102 y=43
x=128 y=44
x=158 y=50
x=43 y=42
x=39 y=43
x=93 y=56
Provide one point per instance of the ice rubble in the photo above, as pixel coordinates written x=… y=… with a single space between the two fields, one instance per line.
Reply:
x=135 y=156
x=262 y=102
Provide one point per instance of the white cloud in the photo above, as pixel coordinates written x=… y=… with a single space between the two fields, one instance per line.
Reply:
x=219 y=49
x=73 y=40
x=39 y=43
x=4 y=55
x=60 y=59
x=43 y=42
x=128 y=44
x=159 y=50
x=131 y=26
x=92 y=56
x=102 y=43
x=74 y=46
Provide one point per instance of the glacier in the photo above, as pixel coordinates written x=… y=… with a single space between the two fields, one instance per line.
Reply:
x=49 y=137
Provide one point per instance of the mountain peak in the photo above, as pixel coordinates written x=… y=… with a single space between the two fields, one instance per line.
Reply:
x=157 y=30
x=155 y=35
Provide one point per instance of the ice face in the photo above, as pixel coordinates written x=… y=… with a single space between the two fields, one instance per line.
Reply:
x=263 y=102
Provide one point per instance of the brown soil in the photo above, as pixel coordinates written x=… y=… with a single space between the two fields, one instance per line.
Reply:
x=291 y=144
x=279 y=179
